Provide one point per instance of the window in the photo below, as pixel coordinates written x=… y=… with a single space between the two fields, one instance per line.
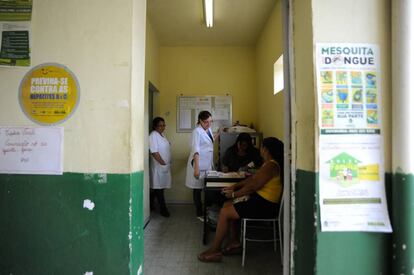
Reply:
x=278 y=75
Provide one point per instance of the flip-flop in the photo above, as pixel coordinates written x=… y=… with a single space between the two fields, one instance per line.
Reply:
x=210 y=258
x=232 y=250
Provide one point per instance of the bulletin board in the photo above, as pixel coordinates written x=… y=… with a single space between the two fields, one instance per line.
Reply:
x=188 y=108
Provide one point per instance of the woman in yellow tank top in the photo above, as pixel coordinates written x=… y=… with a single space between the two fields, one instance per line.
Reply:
x=254 y=197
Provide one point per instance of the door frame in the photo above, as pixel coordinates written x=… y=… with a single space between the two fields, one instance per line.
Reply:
x=289 y=139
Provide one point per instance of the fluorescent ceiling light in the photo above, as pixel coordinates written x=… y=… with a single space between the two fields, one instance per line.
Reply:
x=208 y=12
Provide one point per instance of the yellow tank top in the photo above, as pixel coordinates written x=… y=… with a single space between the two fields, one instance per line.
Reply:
x=272 y=190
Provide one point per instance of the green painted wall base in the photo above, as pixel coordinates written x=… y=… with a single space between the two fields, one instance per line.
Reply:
x=403 y=223
x=45 y=229
x=331 y=253
x=304 y=252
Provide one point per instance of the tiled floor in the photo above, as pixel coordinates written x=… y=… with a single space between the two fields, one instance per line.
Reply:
x=172 y=245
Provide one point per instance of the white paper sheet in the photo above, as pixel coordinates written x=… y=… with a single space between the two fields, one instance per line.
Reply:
x=30 y=150
x=185 y=119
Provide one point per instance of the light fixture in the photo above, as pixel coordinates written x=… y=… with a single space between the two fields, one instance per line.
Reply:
x=208 y=13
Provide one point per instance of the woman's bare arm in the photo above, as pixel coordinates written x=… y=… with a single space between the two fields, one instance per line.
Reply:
x=196 y=159
x=158 y=158
x=263 y=175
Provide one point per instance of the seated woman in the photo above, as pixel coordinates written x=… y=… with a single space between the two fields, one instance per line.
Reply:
x=241 y=154
x=254 y=197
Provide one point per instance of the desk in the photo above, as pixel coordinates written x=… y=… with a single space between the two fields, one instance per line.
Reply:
x=215 y=184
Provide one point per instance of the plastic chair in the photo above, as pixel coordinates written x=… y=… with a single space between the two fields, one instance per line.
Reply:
x=247 y=223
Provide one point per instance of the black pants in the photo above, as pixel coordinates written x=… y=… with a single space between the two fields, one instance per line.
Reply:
x=159 y=194
x=197 y=202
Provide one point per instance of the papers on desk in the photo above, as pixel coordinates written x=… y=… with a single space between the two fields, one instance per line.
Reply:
x=216 y=174
x=214 y=184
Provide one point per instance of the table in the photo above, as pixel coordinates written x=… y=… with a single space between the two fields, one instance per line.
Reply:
x=215 y=184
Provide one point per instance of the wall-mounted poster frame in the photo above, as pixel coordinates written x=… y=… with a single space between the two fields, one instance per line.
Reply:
x=188 y=107
x=15 y=33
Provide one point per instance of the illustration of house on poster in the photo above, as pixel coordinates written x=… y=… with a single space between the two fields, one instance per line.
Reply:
x=344 y=167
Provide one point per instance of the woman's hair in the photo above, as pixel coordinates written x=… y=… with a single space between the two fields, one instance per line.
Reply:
x=155 y=122
x=244 y=137
x=275 y=147
x=203 y=115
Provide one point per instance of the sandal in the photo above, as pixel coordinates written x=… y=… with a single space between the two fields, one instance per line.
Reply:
x=232 y=250
x=210 y=258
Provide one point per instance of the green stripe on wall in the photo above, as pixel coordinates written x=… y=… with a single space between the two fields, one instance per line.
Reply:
x=137 y=223
x=304 y=253
x=44 y=228
x=403 y=222
x=331 y=253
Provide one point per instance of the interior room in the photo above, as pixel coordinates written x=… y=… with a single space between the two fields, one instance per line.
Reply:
x=239 y=57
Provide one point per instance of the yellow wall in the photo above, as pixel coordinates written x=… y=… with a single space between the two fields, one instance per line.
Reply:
x=98 y=49
x=151 y=56
x=203 y=71
x=270 y=107
x=151 y=74
x=375 y=29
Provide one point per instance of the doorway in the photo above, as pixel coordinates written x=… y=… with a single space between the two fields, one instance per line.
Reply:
x=185 y=69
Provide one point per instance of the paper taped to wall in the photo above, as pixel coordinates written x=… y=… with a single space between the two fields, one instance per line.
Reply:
x=31 y=150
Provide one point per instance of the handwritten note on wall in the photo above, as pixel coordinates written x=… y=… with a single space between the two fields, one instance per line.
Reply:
x=31 y=150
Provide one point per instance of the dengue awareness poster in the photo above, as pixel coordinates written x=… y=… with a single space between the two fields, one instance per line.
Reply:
x=351 y=183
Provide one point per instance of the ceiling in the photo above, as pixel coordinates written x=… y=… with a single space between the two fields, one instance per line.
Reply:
x=181 y=22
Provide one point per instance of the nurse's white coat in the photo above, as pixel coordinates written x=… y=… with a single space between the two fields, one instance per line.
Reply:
x=160 y=175
x=202 y=144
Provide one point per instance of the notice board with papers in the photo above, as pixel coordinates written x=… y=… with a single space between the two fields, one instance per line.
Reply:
x=188 y=108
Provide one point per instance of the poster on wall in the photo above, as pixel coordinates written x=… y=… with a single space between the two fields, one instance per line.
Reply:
x=15 y=23
x=31 y=150
x=349 y=90
x=49 y=94
x=351 y=183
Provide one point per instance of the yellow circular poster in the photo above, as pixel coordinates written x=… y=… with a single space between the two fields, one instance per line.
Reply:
x=49 y=94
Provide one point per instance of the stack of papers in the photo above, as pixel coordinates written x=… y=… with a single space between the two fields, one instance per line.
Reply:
x=216 y=174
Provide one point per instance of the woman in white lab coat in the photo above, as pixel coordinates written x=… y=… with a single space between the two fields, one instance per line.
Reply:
x=201 y=157
x=160 y=165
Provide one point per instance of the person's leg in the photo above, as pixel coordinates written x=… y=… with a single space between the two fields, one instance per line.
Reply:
x=227 y=214
x=234 y=234
x=234 y=247
x=197 y=202
x=161 y=200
